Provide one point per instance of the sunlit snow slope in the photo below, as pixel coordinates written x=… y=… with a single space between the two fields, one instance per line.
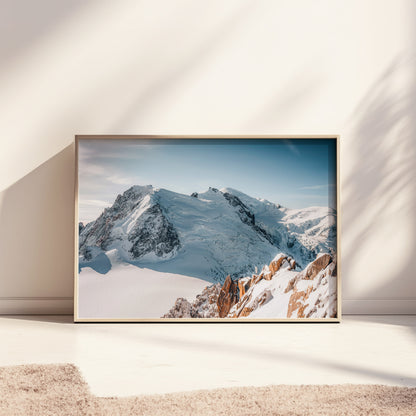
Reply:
x=208 y=235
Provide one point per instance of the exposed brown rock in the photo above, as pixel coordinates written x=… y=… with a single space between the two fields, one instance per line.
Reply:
x=245 y=312
x=228 y=297
x=275 y=265
x=240 y=305
x=311 y=312
x=315 y=267
x=264 y=298
x=212 y=299
x=243 y=286
x=268 y=275
x=291 y=284
x=301 y=310
x=297 y=302
x=241 y=310
x=256 y=278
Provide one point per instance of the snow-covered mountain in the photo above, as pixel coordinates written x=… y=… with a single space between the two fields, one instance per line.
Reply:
x=208 y=235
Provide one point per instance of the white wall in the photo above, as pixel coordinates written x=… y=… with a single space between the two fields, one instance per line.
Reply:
x=208 y=67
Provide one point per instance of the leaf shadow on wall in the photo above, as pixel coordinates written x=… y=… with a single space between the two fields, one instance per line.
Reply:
x=37 y=223
x=379 y=190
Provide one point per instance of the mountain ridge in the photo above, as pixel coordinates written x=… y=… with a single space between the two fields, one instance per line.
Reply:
x=207 y=235
x=278 y=291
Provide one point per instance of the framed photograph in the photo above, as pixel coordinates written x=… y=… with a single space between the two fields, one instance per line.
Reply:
x=218 y=228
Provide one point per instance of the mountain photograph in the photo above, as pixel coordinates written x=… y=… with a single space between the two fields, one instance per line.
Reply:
x=156 y=242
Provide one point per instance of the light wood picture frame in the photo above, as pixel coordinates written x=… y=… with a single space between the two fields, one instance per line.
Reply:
x=207 y=228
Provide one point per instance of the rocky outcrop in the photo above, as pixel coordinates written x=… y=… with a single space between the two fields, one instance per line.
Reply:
x=246 y=302
x=99 y=232
x=243 y=285
x=269 y=271
x=153 y=233
x=317 y=265
x=133 y=236
x=313 y=291
x=206 y=302
x=246 y=216
x=204 y=306
x=298 y=303
x=244 y=213
x=228 y=297
x=215 y=301
x=182 y=309
x=277 y=262
x=278 y=291
x=303 y=294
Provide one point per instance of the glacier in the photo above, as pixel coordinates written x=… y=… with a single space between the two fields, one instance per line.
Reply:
x=206 y=235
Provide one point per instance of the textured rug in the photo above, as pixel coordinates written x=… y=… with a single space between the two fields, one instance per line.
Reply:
x=60 y=390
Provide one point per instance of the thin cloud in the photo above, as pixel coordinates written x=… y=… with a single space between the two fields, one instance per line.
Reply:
x=317 y=187
x=115 y=156
x=102 y=173
x=309 y=196
x=122 y=180
x=91 y=169
x=292 y=147
x=112 y=150
x=95 y=203
x=314 y=187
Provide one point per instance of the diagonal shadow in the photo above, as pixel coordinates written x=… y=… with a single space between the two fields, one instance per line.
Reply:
x=37 y=223
x=196 y=58
x=38 y=19
x=248 y=351
x=381 y=185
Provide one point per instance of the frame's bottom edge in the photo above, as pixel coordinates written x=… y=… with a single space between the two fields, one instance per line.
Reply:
x=65 y=306
x=208 y=320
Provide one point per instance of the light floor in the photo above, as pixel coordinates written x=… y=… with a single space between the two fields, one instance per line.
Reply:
x=131 y=359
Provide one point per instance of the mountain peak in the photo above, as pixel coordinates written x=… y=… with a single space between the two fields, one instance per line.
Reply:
x=248 y=200
x=207 y=235
x=139 y=189
x=135 y=192
x=230 y=191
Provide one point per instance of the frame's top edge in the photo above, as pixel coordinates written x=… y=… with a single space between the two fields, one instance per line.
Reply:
x=205 y=136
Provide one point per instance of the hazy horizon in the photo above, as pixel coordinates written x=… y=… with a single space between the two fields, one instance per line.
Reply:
x=293 y=173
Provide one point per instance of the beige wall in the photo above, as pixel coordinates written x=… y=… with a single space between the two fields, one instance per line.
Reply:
x=208 y=67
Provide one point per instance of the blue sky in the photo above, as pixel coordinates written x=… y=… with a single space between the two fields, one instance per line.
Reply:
x=293 y=173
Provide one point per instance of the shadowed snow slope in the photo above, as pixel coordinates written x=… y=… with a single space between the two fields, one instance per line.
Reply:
x=127 y=291
x=208 y=235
